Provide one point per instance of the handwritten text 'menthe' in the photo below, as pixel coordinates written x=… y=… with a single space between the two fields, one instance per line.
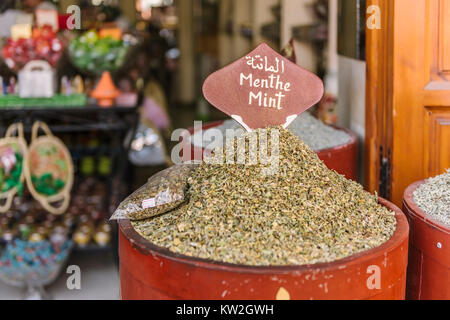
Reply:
x=272 y=82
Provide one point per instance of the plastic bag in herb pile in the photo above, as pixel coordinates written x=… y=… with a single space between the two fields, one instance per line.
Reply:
x=49 y=170
x=94 y=53
x=11 y=162
x=162 y=193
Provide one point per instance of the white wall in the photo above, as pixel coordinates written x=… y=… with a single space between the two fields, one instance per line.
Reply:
x=351 y=108
x=255 y=13
x=242 y=16
x=352 y=90
x=258 y=13
x=295 y=13
x=225 y=40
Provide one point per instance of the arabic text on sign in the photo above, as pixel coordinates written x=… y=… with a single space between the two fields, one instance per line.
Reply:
x=272 y=82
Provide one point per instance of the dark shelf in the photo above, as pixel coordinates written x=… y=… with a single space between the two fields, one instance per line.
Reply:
x=71 y=119
x=88 y=109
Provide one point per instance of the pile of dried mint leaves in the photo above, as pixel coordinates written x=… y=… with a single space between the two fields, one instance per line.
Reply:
x=302 y=214
x=433 y=197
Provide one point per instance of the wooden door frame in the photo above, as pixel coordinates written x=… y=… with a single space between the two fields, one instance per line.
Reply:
x=408 y=94
x=379 y=86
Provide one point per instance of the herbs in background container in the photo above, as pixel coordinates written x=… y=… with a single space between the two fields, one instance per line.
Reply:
x=312 y=131
x=433 y=197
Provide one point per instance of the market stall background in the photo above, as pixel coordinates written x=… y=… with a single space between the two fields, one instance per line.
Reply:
x=113 y=91
x=72 y=97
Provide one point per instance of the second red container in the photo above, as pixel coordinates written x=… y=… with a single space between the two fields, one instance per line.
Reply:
x=429 y=258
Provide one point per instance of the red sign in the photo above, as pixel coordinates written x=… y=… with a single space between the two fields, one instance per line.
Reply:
x=263 y=89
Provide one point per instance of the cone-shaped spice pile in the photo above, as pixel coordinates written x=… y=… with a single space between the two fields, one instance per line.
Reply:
x=302 y=214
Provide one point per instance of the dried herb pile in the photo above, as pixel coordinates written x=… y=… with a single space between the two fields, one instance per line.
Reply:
x=433 y=197
x=303 y=214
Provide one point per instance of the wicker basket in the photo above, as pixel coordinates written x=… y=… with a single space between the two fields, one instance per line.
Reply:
x=18 y=144
x=47 y=154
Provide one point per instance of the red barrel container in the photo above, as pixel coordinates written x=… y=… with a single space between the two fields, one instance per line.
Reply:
x=343 y=159
x=151 y=272
x=429 y=258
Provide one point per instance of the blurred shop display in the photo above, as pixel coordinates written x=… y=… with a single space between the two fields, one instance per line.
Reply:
x=87 y=89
